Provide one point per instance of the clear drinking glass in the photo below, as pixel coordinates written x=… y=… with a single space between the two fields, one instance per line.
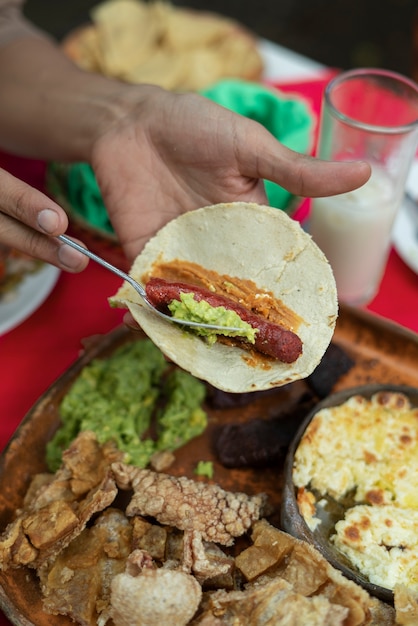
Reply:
x=371 y=115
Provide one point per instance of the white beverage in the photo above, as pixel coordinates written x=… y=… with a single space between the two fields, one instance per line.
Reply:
x=354 y=232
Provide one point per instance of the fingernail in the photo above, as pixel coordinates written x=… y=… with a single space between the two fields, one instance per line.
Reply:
x=70 y=258
x=48 y=220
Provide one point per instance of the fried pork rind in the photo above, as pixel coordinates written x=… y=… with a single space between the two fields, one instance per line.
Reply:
x=55 y=511
x=275 y=554
x=170 y=547
x=77 y=583
x=406 y=605
x=127 y=31
x=154 y=597
x=207 y=509
x=159 y=43
x=164 y=570
x=274 y=602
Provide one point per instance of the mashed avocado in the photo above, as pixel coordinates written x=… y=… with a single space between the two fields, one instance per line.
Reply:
x=126 y=395
x=194 y=311
x=204 y=468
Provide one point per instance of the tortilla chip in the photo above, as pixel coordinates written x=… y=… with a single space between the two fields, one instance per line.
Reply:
x=128 y=33
x=190 y=29
x=202 y=68
x=252 y=242
x=161 y=69
x=239 y=57
x=83 y=47
x=159 y=43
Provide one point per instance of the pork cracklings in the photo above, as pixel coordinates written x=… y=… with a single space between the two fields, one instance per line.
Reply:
x=57 y=507
x=217 y=515
x=144 y=594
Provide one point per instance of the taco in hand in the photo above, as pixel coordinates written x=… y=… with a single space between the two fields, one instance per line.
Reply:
x=243 y=265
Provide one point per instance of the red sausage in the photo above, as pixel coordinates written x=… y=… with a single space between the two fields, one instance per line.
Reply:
x=271 y=339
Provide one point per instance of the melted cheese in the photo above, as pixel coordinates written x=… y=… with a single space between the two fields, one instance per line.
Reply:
x=367 y=450
x=367 y=447
x=382 y=542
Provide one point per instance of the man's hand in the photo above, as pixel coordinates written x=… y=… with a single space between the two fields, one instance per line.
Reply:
x=28 y=218
x=173 y=153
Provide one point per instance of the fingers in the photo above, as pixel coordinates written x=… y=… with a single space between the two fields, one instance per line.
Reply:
x=311 y=177
x=28 y=222
x=30 y=206
x=14 y=234
x=300 y=174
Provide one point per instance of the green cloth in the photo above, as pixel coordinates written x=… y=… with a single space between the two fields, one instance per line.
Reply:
x=75 y=188
x=85 y=197
x=286 y=117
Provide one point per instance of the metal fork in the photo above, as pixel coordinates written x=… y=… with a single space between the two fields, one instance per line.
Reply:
x=140 y=290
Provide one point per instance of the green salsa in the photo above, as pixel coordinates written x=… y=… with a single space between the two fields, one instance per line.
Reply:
x=204 y=468
x=124 y=398
x=192 y=310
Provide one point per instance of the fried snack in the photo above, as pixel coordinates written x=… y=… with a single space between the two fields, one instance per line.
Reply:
x=151 y=538
x=127 y=32
x=277 y=554
x=205 y=512
x=150 y=596
x=156 y=42
x=77 y=583
x=274 y=602
x=57 y=510
x=215 y=514
x=406 y=606
x=133 y=570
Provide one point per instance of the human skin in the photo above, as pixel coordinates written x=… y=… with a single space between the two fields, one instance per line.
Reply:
x=155 y=154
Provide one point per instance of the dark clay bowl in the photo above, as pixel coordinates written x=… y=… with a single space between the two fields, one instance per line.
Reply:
x=293 y=522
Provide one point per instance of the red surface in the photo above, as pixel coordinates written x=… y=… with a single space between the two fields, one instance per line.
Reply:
x=35 y=353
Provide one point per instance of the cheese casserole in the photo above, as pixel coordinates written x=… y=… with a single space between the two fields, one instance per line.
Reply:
x=366 y=451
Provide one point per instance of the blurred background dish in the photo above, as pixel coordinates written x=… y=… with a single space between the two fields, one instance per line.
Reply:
x=344 y=34
x=27 y=296
x=383 y=34
x=156 y=42
x=405 y=230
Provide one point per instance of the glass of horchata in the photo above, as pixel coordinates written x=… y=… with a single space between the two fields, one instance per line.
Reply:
x=371 y=115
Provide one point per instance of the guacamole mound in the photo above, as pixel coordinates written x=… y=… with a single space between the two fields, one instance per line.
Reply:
x=192 y=310
x=126 y=397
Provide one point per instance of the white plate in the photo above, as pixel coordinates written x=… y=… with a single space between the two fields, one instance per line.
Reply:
x=405 y=230
x=405 y=236
x=283 y=64
x=30 y=294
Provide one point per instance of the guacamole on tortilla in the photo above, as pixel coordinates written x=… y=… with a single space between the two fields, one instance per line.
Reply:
x=190 y=309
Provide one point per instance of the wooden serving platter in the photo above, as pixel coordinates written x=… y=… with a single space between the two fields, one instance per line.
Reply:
x=382 y=353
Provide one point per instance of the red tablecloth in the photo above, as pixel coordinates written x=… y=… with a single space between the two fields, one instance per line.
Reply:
x=35 y=353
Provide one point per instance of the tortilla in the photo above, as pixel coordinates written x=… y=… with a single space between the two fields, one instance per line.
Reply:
x=125 y=36
x=251 y=242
